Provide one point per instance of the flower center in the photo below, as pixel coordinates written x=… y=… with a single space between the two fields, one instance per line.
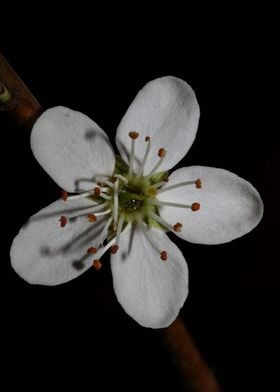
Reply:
x=129 y=197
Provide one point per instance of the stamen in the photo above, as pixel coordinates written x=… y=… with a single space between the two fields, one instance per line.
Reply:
x=90 y=210
x=92 y=250
x=103 y=233
x=105 y=248
x=64 y=195
x=101 y=213
x=148 y=148
x=101 y=178
x=116 y=203
x=96 y=264
x=81 y=195
x=197 y=183
x=109 y=183
x=120 y=177
x=104 y=196
x=119 y=229
x=161 y=221
x=178 y=227
x=133 y=135
x=63 y=221
x=195 y=206
x=114 y=249
x=91 y=218
x=161 y=153
x=97 y=191
x=163 y=254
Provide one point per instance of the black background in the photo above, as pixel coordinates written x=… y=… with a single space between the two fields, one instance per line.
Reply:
x=76 y=335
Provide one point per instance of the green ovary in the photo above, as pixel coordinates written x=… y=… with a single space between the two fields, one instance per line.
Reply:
x=134 y=200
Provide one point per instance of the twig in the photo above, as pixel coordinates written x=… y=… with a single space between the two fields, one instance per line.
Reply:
x=196 y=375
x=16 y=101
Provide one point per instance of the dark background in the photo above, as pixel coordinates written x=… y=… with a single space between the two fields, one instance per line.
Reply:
x=76 y=335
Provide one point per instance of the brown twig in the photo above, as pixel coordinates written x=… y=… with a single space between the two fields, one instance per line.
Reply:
x=196 y=375
x=18 y=103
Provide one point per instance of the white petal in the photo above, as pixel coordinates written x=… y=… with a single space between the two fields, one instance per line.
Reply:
x=229 y=205
x=166 y=109
x=150 y=290
x=44 y=253
x=71 y=148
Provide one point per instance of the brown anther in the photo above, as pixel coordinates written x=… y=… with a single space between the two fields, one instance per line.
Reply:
x=113 y=179
x=161 y=152
x=133 y=135
x=114 y=249
x=198 y=183
x=63 y=221
x=92 y=250
x=195 y=206
x=96 y=264
x=64 y=195
x=91 y=218
x=147 y=138
x=163 y=255
x=178 y=227
x=97 y=191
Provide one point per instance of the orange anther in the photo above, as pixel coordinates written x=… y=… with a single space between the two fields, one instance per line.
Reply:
x=198 y=183
x=64 y=195
x=195 y=206
x=114 y=249
x=91 y=218
x=178 y=227
x=161 y=152
x=92 y=250
x=63 y=221
x=163 y=255
x=97 y=191
x=133 y=135
x=96 y=264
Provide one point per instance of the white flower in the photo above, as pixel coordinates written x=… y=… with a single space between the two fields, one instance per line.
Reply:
x=127 y=205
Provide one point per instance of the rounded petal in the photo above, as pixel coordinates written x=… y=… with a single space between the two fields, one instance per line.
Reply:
x=47 y=254
x=72 y=148
x=150 y=290
x=166 y=109
x=229 y=205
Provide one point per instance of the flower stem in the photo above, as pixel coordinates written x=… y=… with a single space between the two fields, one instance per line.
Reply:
x=196 y=375
x=16 y=101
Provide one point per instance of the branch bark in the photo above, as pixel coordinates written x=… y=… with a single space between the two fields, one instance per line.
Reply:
x=195 y=373
x=16 y=100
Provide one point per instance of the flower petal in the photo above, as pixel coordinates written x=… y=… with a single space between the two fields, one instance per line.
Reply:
x=71 y=148
x=166 y=109
x=44 y=253
x=229 y=205
x=150 y=290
